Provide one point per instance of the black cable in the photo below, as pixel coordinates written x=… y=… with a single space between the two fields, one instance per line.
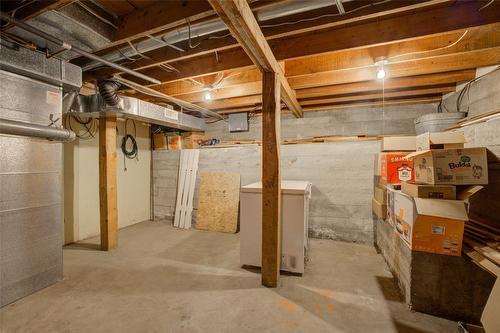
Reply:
x=134 y=151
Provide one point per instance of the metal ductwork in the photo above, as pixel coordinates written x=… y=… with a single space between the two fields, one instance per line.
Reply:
x=13 y=127
x=108 y=91
x=95 y=106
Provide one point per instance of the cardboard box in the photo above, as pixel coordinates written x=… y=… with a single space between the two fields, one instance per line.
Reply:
x=192 y=140
x=396 y=168
x=429 y=191
x=379 y=209
x=440 y=140
x=159 y=141
x=430 y=225
x=398 y=143
x=468 y=166
x=380 y=194
x=391 y=192
x=174 y=142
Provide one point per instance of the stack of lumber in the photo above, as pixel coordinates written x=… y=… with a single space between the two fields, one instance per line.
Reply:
x=482 y=244
x=335 y=138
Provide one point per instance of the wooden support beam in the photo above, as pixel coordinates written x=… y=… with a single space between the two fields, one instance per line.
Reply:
x=271 y=180
x=107 y=183
x=242 y=24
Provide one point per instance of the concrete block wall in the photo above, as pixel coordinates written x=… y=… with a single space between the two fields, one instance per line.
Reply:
x=342 y=185
x=165 y=174
x=391 y=120
x=341 y=173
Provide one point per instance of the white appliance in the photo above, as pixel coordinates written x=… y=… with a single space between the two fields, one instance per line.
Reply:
x=295 y=196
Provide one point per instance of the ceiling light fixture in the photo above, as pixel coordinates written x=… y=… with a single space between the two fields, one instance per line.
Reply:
x=207 y=96
x=381 y=73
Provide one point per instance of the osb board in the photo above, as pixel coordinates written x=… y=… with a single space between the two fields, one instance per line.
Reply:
x=218 y=201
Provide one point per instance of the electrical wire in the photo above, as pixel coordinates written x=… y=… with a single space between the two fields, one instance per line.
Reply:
x=134 y=151
x=191 y=46
x=91 y=126
x=489 y=3
x=323 y=16
x=433 y=50
x=466 y=91
x=137 y=51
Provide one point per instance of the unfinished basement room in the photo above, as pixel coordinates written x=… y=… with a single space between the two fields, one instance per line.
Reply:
x=221 y=166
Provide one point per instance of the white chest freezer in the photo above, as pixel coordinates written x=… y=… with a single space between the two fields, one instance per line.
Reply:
x=295 y=197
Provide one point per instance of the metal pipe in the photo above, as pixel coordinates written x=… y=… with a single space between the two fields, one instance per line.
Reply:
x=13 y=127
x=63 y=44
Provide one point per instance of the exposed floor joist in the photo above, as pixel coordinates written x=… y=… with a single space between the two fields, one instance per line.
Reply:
x=423 y=23
x=239 y=18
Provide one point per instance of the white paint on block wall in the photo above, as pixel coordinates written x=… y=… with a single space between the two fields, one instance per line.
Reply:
x=81 y=184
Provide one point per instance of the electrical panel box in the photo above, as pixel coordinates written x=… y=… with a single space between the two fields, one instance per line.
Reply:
x=238 y=122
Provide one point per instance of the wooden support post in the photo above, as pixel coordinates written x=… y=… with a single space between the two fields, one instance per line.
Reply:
x=107 y=183
x=271 y=180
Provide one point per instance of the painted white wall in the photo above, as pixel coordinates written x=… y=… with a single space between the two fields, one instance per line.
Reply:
x=81 y=184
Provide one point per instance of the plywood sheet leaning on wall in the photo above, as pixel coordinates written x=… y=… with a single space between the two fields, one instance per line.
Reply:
x=218 y=201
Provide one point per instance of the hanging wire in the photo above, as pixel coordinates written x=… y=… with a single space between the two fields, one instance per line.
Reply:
x=191 y=46
x=465 y=92
x=137 y=51
x=134 y=151
x=91 y=126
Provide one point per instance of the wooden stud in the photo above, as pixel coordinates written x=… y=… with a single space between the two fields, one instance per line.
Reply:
x=107 y=183
x=271 y=180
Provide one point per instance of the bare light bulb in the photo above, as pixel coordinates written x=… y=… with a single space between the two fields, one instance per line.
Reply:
x=207 y=96
x=380 y=74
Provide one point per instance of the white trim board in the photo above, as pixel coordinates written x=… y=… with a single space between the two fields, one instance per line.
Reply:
x=188 y=169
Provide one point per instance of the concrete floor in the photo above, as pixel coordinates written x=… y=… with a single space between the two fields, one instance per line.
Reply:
x=162 y=279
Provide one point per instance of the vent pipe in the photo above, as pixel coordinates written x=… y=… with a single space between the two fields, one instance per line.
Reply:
x=13 y=127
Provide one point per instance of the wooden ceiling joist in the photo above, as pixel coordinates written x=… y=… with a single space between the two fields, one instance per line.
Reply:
x=163 y=15
x=240 y=20
x=255 y=100
x=410 y=26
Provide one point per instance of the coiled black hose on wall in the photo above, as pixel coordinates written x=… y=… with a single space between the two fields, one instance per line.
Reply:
x=134 y=151
x=108 y=89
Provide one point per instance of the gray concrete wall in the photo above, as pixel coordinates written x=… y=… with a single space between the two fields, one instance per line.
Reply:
x=486 y=203
x=165 y=174
x=341 y=174
x=483 y=96
x=446 y=286
x=391 y=120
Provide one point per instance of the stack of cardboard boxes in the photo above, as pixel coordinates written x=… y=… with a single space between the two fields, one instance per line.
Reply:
x=427 y=206
x=176 y=141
